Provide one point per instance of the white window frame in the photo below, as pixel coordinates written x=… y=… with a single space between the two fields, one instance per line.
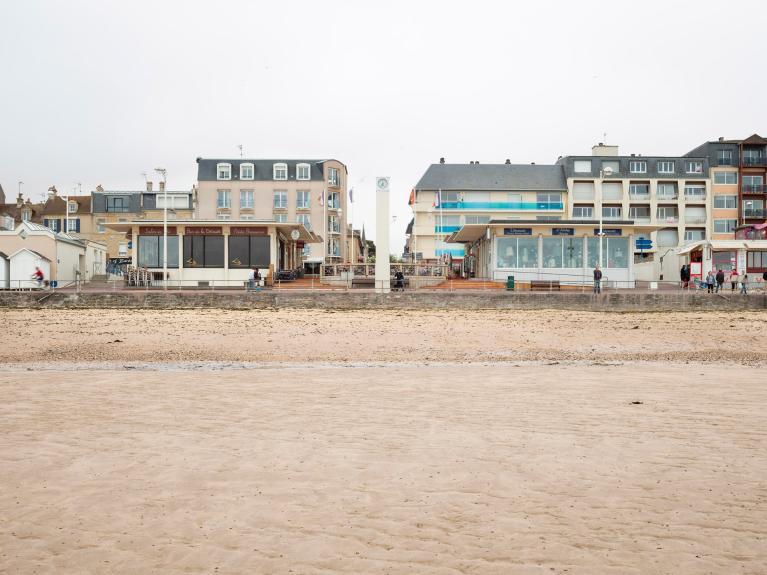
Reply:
x=333 y=179
x=303 y=195
x=281 y=218
x=227 y=195
x=666 y=217
x=72 y=206
x=26 y=215
x=223 y=216
x=666 y=166
x=645 y=208
x=305 y=220
x=725 y=175
x=278 y=170
x=578 y=166
x=122 y=249
x=696 y=191
x=694 y=167
x=283 y=203
x=303 y=166
x=244 y=176
x=227 y=168
x=247 y=217
x=101 y=225
x=613 y=210
x=590 y=216
x=244 y=194
x=638 y=166
x=725 y=220
x=665 y=196
x=726 y=199
x=696 y=232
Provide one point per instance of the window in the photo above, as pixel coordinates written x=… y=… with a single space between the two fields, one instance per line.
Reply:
x=515 y=199
x=246 y=171
x=248 y=217
x=150 y=254
x=451 y=197
x=752 y=157
x=477 y=219
x=305 y=220
x=223 y=216
x=694 y=167
x=223 y=171
x=694 y=235
x=638 y=167
x=583 y=212
x=302 y=199
x=548 y=201
x=448 y=223
x=724 y=157
x=583 y=190
x=668 y=238
x=725 y=226
x=52 y=225
x=118 y=204
x=303 y=172
x=617 y=252
x=695 y=192
x=72 y=207
x=174 y=201
x=73 y=225
x=334 y=247
x=334 y=201
x=280 y=218
x=280 y=199
x=26 y=215
x=122 y=249
x=582 y=166
x=613 y=165
x=517 y=252
x=611 y=212
x=753 y=208
x=612 y=191
x=100 y=227
x=727 y=178
x=280 y=171
x=756 y=260
x=695 y=215
x=223 y=199
x=726 y=202
x=203 y=251
x=248 y=252
x=333 y=177
x=665 y=167
x=639 y=212
x=333 y=224
x=667 y=191
x=753 y=183
x=246 y=198
x=637 y=191
x=667 y=214
x=552 y=252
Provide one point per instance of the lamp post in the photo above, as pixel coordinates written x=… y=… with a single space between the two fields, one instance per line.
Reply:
x=608 y=171
x=162 y=172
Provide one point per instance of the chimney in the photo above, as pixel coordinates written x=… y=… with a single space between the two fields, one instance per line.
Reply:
x=508 y=162
x=476 y=161
x=52 y=192
x=602 y=149
x=149 y=185
x=19 y=200
x=162 y=187
x=532 y=163
x=721 y=138
x=442 y=160
x=99 y=188
x=633 y=155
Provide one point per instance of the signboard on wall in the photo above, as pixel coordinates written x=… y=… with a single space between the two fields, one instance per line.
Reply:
x=203 y=230
x=562 y=231
x=741 y=261
x=696 y=269
x=248 y=231
x=609 y=231
x=155 y=230
x=517 y=231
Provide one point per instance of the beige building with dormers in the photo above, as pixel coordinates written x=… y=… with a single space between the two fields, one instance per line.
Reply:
x=308 y=192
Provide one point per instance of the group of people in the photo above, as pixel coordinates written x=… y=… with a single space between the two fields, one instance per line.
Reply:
x=254 y=279
x=715 y=280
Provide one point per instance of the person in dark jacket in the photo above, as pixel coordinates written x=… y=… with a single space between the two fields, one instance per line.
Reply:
x=719 y=281
x=684 y=275
x=597 y=280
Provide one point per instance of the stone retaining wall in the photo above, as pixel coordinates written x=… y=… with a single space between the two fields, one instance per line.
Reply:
x=618 y=301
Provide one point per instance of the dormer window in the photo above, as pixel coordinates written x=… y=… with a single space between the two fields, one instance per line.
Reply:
x=26 y=215
x=246 y=171
x=223 y=171
x=72 y=207
x=303 y=171
x=280 y=171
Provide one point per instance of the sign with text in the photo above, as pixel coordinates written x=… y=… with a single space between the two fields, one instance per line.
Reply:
x=609 y=231
x=203 y=230
x=517 y=231
x=155 y=230
x=562 y=231
x=248 y=231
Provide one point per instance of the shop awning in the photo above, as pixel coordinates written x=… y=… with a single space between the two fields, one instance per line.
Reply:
x=723 y=245
x=472 y=232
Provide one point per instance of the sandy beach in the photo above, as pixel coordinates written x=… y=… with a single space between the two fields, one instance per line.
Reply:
x=382 y=442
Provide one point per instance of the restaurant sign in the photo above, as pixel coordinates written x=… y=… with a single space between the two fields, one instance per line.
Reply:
x=155 y=230
x=203 y=230
x=609 y=231
x=248 y=231
x=562 y=231
x=517 y=231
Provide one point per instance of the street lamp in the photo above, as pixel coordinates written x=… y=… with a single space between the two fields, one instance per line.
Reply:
x=162 y=172
x=608 y=171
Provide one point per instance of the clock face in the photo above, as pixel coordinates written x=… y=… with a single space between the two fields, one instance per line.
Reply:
x=295 y=234
x=383 y=183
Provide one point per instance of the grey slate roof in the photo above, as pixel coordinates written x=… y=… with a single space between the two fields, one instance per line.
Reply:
x=504 y=177
x=263 y=169
x=568 y=163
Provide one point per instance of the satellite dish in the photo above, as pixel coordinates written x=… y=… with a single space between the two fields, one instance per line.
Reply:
x=608 y=171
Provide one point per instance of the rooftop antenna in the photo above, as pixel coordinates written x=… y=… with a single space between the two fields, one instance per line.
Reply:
x=604 y=137
x=79 y=188
x=240 y=146
x=145 y=178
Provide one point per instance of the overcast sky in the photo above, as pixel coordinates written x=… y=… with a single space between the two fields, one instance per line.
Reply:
x=98 y=92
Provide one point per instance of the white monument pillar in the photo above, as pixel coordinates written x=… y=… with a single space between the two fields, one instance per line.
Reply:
x=382 y=235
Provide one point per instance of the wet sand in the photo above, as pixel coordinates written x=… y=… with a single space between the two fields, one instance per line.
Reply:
x=490 y=464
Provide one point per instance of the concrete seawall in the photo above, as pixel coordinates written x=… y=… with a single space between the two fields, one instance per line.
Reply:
x=618 y=301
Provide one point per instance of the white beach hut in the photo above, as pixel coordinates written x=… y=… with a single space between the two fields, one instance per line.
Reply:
x=5 y=271
x=22 y=266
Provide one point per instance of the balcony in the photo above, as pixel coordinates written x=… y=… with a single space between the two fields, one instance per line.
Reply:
x=695 y=219
x=640 y=219
x=755 y=214
x=754 y=161
x=695 y=198
x=667 y=197
x=754 y=189
x=640 y=196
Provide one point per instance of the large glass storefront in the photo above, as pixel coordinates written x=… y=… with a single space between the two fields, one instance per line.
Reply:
x=560 y=252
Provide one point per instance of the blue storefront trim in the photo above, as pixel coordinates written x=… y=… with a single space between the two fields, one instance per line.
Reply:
x=503 y=206
x=446 y=229
x=456 y=253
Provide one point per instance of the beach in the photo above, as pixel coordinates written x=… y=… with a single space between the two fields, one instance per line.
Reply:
x=209 y=441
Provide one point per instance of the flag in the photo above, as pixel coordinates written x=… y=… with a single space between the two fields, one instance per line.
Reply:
x=411 y=201
x=322 y=198
x=351 y=196
x=437 y=199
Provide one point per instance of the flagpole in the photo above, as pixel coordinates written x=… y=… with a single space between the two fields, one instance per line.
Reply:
x=325 y=225
x=441 y=223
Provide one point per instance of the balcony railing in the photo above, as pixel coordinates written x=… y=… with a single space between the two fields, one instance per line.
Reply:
x=668 y=219
x=695 y=197
x=639 y=196
x=754 y=161
x=754 y=189
x=725 y=161
x=758 y=213
x=695 y=219
x=640 y=219
x=662 y=197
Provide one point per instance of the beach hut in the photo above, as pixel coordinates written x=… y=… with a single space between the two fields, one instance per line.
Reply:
x=5 y=271
x=22 y=266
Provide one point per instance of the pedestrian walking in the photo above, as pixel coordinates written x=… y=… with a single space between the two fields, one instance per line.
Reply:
x=597 y=280
x=252 y=279
x=710 y=281
x=743 y=283
x=684 y=275
x=733 y=280
x=719 y=280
